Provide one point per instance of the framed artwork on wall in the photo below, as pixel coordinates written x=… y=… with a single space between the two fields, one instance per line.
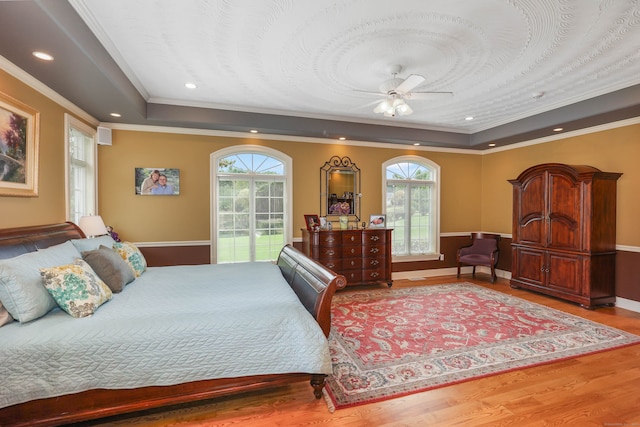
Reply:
x=19 y=127
x=157 y=181
x=377 y=221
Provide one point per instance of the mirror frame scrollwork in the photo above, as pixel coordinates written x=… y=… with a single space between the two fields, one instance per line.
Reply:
x=343 y=164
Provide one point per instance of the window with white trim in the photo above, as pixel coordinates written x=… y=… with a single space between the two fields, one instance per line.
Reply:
x=411 y=194
x=250 y=204
x=80 y=177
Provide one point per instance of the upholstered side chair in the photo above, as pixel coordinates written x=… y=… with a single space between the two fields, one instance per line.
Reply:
x=484 y=250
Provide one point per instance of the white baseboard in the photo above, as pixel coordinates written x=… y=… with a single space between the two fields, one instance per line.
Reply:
x=628 y=304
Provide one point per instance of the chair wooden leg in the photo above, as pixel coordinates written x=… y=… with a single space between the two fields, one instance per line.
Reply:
x=458 y=270
x=493 y=274
x=474 y=272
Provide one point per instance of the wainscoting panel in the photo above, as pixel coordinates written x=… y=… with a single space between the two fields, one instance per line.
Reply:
x=627 y=260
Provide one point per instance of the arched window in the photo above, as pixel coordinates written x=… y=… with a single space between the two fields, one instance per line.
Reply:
x=250 y=204
x=411 y=193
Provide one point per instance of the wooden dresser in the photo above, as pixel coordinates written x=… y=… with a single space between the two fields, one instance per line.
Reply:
x=564 y=233
x=363 y=256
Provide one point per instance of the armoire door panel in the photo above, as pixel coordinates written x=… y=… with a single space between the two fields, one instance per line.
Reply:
x=531 y=215
x=564 y=212
x=565 y=272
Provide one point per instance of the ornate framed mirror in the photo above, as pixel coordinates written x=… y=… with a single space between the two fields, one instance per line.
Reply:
x=340 y=188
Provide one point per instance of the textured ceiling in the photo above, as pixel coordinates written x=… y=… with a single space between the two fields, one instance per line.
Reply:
x=308 y=57
x=506 y=62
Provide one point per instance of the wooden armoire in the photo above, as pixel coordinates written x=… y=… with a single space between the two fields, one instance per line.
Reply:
x=564 y=233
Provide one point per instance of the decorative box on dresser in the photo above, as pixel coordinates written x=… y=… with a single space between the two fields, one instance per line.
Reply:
x=363 y=256
x=564 y=233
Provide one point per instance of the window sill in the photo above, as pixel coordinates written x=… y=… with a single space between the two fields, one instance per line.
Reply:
x=414 y=258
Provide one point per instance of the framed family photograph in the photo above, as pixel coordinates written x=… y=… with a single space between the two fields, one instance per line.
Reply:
x=19 y=127
x=377 y=221
x=312 y=221
x=157 y=181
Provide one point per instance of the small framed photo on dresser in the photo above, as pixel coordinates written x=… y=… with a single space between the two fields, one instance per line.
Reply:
x=377 y=221
x=312 y=221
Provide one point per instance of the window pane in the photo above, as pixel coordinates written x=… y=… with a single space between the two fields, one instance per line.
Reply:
x=409 y=207
x=81 y=172
x=251 y=208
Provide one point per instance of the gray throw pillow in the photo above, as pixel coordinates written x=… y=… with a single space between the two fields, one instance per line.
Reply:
x=110 y=267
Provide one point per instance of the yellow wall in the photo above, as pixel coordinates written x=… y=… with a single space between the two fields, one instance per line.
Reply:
x=49 y=205
x=614 y=150
x=475 y=192
x=186 y=217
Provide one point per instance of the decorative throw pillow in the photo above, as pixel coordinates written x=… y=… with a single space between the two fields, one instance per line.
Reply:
x=132 y=255
x=110 y=267
x=5 y=317
x=76 y=288
x=21 y=290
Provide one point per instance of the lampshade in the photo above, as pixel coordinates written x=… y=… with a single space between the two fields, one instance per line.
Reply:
x=92 y=225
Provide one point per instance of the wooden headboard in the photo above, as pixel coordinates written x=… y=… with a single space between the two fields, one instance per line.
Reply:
x=20 y=240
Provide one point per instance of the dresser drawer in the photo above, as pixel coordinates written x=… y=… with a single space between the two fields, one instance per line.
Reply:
x=334 y=264
x=353 y=276
x=351 y=251
x=351 y=237
x=329 y=239
x=352 y=263
x=373 y=263
x=374 y=237
x=376 y=251
x=329 y=252
x=374 y=275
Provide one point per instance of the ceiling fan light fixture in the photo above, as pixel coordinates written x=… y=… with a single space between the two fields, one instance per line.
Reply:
x=391 y=107
x=382 y=107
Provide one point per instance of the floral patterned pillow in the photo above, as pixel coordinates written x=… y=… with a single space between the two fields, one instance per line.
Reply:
x=76 y=288
x=130 y=253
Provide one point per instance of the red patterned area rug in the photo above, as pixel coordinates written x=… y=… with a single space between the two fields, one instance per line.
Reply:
x=393 y=342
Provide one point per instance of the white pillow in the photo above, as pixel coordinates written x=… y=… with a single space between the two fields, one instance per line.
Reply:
x=22 y=292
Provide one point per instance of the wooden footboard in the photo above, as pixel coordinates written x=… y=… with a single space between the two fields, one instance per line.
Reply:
x=313 y=283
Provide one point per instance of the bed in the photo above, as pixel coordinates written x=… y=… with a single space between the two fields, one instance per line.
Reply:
x=173 y=335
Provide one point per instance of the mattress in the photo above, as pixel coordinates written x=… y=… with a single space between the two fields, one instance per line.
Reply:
x=169 y=326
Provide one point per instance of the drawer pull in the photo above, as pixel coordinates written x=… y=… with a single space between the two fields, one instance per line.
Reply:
x=331 y=252
x=374 y=274
x=374 y=238
x=374 y=262
x=353 y=238
x=374 y=250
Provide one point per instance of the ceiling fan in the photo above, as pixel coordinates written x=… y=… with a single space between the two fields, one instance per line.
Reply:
x=397 y=90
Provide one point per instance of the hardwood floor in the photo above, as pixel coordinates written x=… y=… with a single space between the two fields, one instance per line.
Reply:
x=594 y=390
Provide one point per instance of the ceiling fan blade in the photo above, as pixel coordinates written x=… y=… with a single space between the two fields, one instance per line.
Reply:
x=368 y=92
x=409 y=83
x=428 y=95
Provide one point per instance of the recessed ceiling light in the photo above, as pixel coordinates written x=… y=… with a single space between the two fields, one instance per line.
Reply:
x=492 y=145
x=115 y=115
x=468 y=118
x=416 y=143
x=342 y=138
x=190 y=85
x=43 y=56
x=253 y=131
x=558 y=129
